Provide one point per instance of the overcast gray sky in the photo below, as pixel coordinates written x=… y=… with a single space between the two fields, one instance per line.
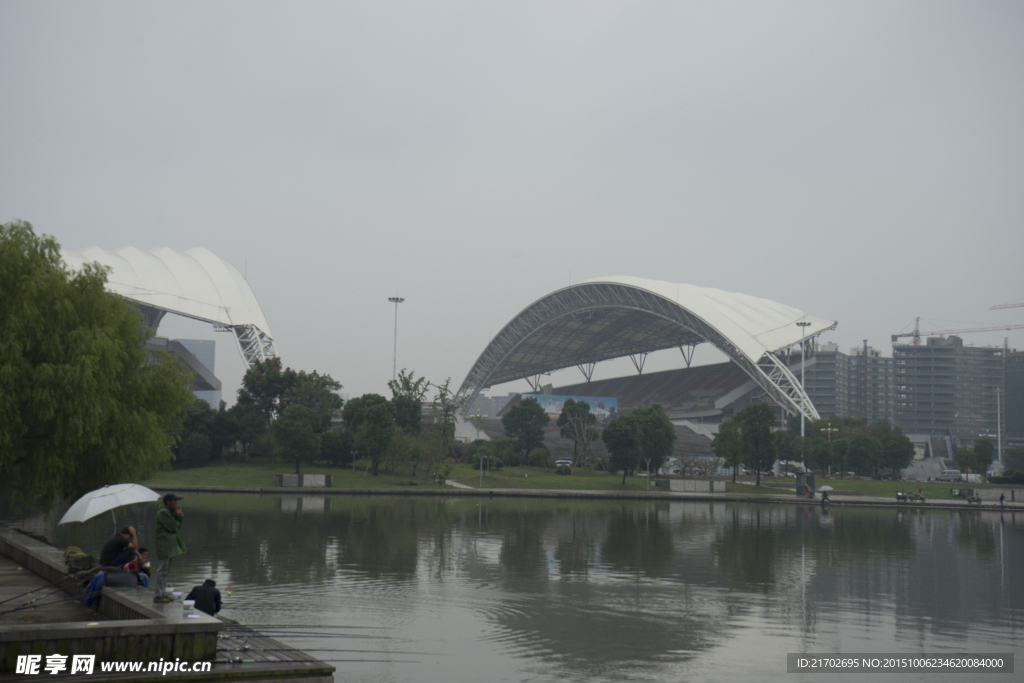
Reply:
x=861 y=161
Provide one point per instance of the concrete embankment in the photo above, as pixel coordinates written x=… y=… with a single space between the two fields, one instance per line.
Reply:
x=840 y=500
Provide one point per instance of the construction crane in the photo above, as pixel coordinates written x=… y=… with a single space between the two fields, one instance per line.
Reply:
x=1017 y=304
x=917 y=334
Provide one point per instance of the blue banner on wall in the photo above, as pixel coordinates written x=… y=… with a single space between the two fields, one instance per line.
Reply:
x=604 y=407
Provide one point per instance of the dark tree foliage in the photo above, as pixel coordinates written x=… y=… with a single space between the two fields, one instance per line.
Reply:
x=298 y=433
x=657 y=435
x=82 y=402
x=728 y=445
x=576 y=422
x=897 y=451
x=371 y=421
x=622 y=439
x=407 y=395
x=271 y=390
x=525 y=423
x=755 y=423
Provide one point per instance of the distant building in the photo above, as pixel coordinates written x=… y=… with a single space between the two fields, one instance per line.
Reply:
x=945 y=385
x=205 y=351
x=827 y=380
x=859 y=384
x=1013 y=402
x=871 y=384
x=204 y=382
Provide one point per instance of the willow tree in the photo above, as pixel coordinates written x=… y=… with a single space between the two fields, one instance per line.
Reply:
x=82 y=402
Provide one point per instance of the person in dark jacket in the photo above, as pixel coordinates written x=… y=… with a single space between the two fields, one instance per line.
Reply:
x=169 y=544
x=120 y=548
x=207 y=597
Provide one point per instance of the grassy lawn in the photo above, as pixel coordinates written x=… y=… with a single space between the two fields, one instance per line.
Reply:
x=258 y=473
x=539 y=478
x=882 y=489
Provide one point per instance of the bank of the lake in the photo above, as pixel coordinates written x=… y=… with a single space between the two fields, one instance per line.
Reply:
x=258 y=477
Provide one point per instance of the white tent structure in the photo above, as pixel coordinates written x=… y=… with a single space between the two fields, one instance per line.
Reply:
x=613 y=317
x=194 y=283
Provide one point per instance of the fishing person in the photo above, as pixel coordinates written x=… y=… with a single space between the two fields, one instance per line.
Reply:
x=169 y=544
x=120 y=548
x=207 y=597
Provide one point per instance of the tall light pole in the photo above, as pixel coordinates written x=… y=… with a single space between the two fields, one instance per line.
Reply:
x=803 y=324
x=999 y=428
x=394 y=363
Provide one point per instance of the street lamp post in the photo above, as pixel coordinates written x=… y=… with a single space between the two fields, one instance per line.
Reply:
x=803 y=325
x=829 y=431
x=394 y=363
x=999 y=429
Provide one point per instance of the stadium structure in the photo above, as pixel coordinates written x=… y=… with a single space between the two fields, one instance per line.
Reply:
x=194 y=283
x=615 y=317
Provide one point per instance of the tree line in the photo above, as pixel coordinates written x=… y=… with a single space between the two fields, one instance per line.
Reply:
x=840 y=444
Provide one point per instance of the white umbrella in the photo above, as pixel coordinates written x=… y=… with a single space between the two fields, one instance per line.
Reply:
x=107 y=498
x=826 y=487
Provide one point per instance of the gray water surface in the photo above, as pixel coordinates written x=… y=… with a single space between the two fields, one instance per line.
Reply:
x=425 y=589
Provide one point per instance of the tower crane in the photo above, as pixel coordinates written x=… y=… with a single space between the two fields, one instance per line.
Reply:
x=1016 y=304
x=917 y=334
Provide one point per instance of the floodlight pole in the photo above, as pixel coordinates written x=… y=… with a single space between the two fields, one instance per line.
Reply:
x=394 y=363
x=999 y=427
x=803 y=324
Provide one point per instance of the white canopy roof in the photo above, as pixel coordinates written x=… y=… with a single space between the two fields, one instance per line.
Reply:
x=194 y=283
x=755 y=326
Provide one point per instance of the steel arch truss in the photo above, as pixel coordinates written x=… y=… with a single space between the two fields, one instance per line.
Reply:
x=598 y=321
x=252 y=343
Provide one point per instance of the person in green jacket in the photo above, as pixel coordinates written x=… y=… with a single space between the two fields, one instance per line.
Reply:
x=168 y=544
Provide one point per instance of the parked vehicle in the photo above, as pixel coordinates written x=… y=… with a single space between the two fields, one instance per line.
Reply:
x=949 y=475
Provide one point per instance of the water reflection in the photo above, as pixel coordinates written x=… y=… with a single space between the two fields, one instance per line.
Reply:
x=606 y=589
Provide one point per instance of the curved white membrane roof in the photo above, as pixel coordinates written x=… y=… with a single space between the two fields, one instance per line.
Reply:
x=755 y=326
x=194 y=283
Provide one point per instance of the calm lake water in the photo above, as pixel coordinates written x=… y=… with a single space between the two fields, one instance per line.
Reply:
x=425 y=589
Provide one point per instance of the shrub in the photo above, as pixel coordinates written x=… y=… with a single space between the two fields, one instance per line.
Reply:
x=540 y=457
x=563 y=469
x=1017 y=477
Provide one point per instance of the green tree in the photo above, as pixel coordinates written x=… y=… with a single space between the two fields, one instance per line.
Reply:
x=728 y=446
x=314 y=391
x=335 y=447
x=1013 y=458
x=250 y=424
x=407 y=395
x=864 y=453
x=756 y=433
x=82 y=402
x=984 y=453
x=787 y=446
x=964 y=459
x=622 y=439
x=897 y=451
x=297 y=431
x=443 y=412
x=194 y=426
x=576 y=422
x=525 y=423
x=371 y=421
x=840 y=454
x=657 y=435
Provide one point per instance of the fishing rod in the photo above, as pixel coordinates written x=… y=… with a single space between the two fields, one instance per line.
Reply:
x=239 y=660
x=320 y=649
x=65 y=583
x=304 y=626
x=57 y=602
